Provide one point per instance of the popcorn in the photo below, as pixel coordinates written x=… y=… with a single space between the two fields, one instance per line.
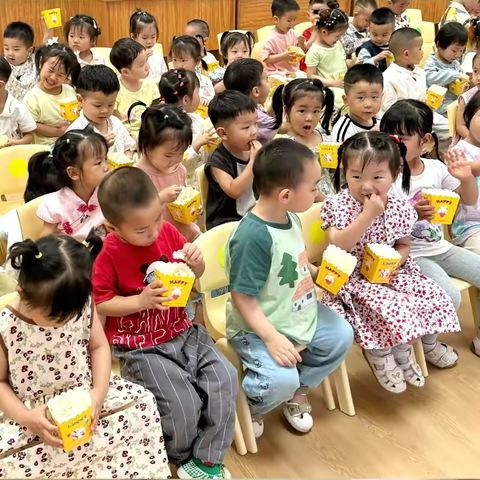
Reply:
x=299 y=54
x=186 y=207
x=118 y=159
x=328 y=154
x=458 y=86
x=69 y=108
x=178 y=255
x=70 y=411
x=435 y=96
x=379 y=262
x=445 y=203
x=337 y=265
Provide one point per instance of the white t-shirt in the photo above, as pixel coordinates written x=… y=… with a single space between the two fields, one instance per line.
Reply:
x=206 y=87
x=157 y=67
x=427 y=238
x=345 y=127
x=15 y=119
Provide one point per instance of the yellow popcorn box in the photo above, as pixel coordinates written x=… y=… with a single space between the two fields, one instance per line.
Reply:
x=212 y=145
x=458 y=86
x=299 y=54
x=212 y=66
x=71 y=412
x=328 y=154
x=53 y=17
x=118 y=159
x=337 y=265
x=379 y=262
x=389 y=59
x=202 y=110
x=186 y=207
x=445 y=203
x=274 y=81
x=177 y=277
x=69 y=108
x=435 y=96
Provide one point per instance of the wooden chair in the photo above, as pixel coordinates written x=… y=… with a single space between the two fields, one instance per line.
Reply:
x=414 y=15
x=263 y=32
x=30 y=224
x=452 y=111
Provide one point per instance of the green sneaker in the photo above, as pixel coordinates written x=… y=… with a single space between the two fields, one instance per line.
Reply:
x=195 y=468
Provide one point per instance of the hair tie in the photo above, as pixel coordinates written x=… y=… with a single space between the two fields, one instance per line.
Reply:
x=165 y=116
x=68 y=140
x=85 y=243
x=179 y=75
x=38 y=255
x=181 y=84
x=175 y=92
x=395 y=137
x=52 y=41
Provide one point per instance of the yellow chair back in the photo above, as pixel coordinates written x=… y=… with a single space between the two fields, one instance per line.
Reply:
x=316 y=239
x=158 y=48
x=263 y=32
x=105 y=53
x=301 y=27
x=30 y=224
x=6 y=299
x=427 y=29
x=257 y=51
x=452 y=110
x=428 y=49
x=202 y=182
x=414 y=15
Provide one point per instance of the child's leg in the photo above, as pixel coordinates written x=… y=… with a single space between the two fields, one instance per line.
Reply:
x=473 y=243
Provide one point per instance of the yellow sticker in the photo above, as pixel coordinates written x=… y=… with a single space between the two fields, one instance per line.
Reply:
x=316 y=233
x=220 y=256
x=17 y=167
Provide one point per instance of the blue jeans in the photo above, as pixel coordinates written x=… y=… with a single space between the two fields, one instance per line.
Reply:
x=267 y=384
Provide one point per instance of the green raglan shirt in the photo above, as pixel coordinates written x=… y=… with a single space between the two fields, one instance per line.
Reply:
x=269 y=262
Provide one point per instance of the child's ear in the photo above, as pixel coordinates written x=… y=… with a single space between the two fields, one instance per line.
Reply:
x=30 y=50
x=125 y=71
x=73 y=173
x=205 y=40
x=255 y=92
x=427 y=139
x=345 y=100
x=80 y=100
x=275 y=19
x=132 y=36
x=110 y=227
x=284 y=195
x=185 y=100
x=222 y=133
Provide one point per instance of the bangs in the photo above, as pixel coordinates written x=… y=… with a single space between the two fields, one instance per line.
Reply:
x=185 y=50
x=180 y=138
x=368 y=156
x=92 y=147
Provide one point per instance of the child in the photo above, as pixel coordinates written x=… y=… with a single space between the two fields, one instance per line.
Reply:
x=304 y=101
x=144 y=30
x=165 y=135
x=437 y=258
x=80 y=158
x=275 y=49
x=55 y=63
x=130 y=59
x=15 y=119
x=326 y=58
x=199 y=29
x=363 y=97
x=249 y=77
x=398 y=7
x=180 y=87
x=443 y=66
x=185 y=53
x=459 y=11
x=194 y=384
x=97 y=89
x=229 y=167
x=376 y=50
x=357 y=32
x=273 y=313
x=54 y=321
x=473 y=45
x=386 y=317
x=81 y=32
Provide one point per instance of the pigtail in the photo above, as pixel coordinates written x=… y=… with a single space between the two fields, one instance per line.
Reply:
x=203 y=63
x=42 y=176
x=277 y=106
x=436 y=145
x=93 y=243
x=333 y=4
x=25 y=256
x=337 y=177
x=328 y=106
x=406 y=174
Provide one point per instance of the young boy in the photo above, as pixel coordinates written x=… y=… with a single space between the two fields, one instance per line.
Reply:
x=249 y=77
x=363 y=97
x=375 y=50
x=97 y=90
x=357 y=33
x=199 y=29
x=287 y=340
x=398 y=7
x=460 y=11
x=275 y=54
x=130 y=59
x=194 y=384
x=16 y=122
x=229 y=167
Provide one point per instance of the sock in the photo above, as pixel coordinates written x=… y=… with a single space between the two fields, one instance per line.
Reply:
x=429 y=342
x=402 y=353
x=381 y=352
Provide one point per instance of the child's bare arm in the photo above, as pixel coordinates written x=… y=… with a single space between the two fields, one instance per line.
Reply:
x=25 y=140
x=49 y=131
x=312 y=73
x=280 y=57
x=460 y=126
x=402 y=246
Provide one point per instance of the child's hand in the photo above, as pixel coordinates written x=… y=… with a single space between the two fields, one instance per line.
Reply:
x=207 y=137
x=192 y=255
x=204 y=102
x=338 y=82
x=255 y=146
x=374 y=206
x=283 y=351
x=358 y=60
x=382 y=55
x=170 y=194
x=39 y=424
x=458 y=165
x=151 y=297
x=289 y=56
x=302 y=42
x=97 y=403
x=62 y=126
x=424 y=210
x=110 y=138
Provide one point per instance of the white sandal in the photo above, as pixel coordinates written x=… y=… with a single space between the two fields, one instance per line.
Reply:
x=475 y=346
x=446 y=360
x=388 y=374
x=411 y=369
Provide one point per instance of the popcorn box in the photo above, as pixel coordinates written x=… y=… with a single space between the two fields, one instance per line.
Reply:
x=71 y=412
x=212 y=145
x=435 y=96
x=202 y=110
x=274 y=81
x=3 y=140
x=389 y=59
x=212 y=66
x=177 y=277
x=458 y=86
x=337 y=265
x=186 y=207
x=299 y=54
x=445 y=203
x=328 y=154
x=69 y=108
x=53 y=17
x=118 y=159
x=379 y=262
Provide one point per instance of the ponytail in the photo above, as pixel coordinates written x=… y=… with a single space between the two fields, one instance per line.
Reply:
x=328 y=104
x=277 y=106
x=406 y=173
x=42 y=176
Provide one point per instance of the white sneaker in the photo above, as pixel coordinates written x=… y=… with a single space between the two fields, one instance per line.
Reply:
x=258 y=427
x=298 y=415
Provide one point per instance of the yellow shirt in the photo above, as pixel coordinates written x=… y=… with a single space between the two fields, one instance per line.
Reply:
x=45 y=109
x=146 y=93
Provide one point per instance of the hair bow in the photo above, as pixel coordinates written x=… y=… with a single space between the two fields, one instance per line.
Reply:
x=52 y=41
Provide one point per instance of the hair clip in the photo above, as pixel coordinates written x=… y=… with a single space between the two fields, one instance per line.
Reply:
x=165 y=116
x=395 y=137
x=179 y=75
x=94 y=24
x=162 y=99
x=38 y=255
x=175 y=92
x=85 y=243
x=68 y=140
x=52 y=41
x=181 y=84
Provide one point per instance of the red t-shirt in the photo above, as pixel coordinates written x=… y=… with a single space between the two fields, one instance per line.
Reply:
x=119 y=270
x=306 y=34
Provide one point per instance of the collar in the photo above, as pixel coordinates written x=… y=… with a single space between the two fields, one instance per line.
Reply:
x=353 y=29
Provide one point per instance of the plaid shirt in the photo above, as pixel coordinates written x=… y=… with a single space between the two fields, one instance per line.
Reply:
x=353 y=38
x=401 y=21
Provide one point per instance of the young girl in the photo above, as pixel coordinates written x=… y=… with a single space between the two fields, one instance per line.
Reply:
x=443 y=66
x=52 y=342
x=55 y=63
x=81 y=32
x=185 y=53
x=386 y=317
x=326 y=59
x=303 y=101
x=80 y=159
x=180 y=87
x=144 y=30
x=164 y=137
x=438 y=259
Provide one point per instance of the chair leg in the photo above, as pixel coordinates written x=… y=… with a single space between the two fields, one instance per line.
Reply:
x=238 y=438
x=473 y=296
x=344 y=394
x=420 y=356
x=328 y=395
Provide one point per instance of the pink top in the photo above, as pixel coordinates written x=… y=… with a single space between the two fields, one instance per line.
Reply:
x=71 y=214
x=163 y=180
x=276 y=43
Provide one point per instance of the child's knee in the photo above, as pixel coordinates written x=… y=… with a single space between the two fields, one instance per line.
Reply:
x=455 y=295
x=343 y=337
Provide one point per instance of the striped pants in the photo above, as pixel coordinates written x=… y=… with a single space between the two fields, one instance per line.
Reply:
x=196 y=390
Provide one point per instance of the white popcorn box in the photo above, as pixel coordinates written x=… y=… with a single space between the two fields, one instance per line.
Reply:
x=119 y=159
x=337 y=265
x=379 y=262
x=186 y=207
x=435 y=96
x=445 y=203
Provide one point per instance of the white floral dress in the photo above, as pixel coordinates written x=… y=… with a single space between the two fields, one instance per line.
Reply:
x=385 y=315
x=43 y=361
